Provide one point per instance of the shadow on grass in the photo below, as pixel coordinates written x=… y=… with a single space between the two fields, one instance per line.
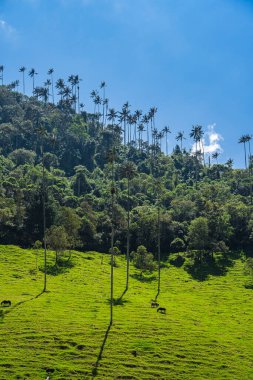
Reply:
x=95 y=369
x=59 y=268
x=117 y=301
x=4 y=313
x=249 y=286
x=142 y=278
x=201 y=270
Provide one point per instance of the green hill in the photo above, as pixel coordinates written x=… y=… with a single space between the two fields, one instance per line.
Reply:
x=206 y=333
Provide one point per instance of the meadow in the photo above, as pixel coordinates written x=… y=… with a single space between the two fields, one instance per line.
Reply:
x=206 y=333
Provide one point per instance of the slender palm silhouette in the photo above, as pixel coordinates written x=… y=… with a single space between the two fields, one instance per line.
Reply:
x=32 y=74
x=22 y=70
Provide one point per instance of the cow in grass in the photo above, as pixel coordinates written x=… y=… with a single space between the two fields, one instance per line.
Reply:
x=6 y=303
x=161 y=310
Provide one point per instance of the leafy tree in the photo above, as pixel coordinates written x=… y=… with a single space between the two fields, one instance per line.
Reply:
x=177 y=245
x=199 y=235
x=143 y=260
x=58 y=241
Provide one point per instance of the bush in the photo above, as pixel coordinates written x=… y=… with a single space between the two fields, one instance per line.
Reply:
x=177 y=245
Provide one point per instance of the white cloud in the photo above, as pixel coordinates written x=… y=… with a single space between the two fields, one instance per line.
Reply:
x=6 y=29
x=213 y=143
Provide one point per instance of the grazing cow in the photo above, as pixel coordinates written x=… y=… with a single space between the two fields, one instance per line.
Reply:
x=162 y=310
x=154 y=304
x=6 y=303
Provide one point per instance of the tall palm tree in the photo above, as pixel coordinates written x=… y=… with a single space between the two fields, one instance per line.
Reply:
x=152 y=112
x=102 y=87
x=112 y=114
x=249 y=138
x=129 y=171
x=98 y=101
x=42 y=134
x=166 y=130
x=106 y=104
x=22 y=70
x=124 y=118
x=242 y=140
x=93 y=96
x=180 y=137
x=60 y=85
x=145 y=121
x=196 y=135
x=32 y=74
x=47 y=84
x=215 y=156
x=51 y=72
x=2 y=74
x=140 y=130
x=137 y=114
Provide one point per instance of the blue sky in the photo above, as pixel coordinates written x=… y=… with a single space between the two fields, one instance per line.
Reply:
x=193 y=59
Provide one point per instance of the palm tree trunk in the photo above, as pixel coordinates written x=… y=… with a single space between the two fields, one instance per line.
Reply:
x=128 y=232
x=159 y=251
x=112 y=243
x=245 y=155
x=44 y=219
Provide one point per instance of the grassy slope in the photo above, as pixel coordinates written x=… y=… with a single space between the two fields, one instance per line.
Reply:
x=206 y=334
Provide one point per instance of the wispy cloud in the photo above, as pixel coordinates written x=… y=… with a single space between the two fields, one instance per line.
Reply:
x=6 y=29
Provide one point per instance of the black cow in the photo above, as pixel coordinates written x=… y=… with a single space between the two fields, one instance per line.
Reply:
x=162 y=310
x=6 y=303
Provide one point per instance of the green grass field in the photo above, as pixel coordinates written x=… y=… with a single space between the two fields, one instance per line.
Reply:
x=207 y=332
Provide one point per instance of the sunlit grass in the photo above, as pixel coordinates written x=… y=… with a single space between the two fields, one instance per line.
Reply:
x=206 y=334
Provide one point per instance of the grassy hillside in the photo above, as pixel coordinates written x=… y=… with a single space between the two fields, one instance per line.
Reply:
x=206 y=334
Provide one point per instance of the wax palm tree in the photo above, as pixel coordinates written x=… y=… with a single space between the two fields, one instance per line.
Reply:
x=22 y=70
x=229 y=163
x=166 y=130
x=160 y=136
x=51 y=72
x=111 y=160
x=106 y=104
x=152 y=112
x=246 y=139
x=97 y=102
x=215 y=156
x=2 y=74
x=129 y=171
x=102 y=87
x=67 y=92
x=140 y=130
x=32 y=74
x=145 y=121
x=195 y=135
x=112 y=114
x=93 y=96
x=47 y=84
x=60 y=85
x=77 y=81
x=124 y=117
x=243 y=139
x=137 y=114
x=180 y=137
x=42 y=134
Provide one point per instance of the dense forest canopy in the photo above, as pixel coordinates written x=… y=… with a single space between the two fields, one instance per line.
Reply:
x=66 y=151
